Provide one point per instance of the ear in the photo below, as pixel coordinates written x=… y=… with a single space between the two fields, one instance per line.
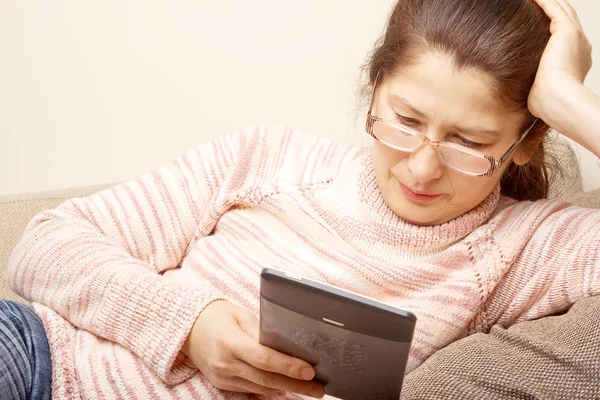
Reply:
x=527 y=149
x=523 y=156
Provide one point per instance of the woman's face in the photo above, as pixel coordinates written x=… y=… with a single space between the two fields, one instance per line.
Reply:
x=445 y=105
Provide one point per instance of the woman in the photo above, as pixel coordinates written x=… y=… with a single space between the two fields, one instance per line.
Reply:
x=141 y=286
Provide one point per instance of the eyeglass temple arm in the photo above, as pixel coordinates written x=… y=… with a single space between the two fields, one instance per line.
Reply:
x=369 y=122
x=373 y=95
x=517 y=143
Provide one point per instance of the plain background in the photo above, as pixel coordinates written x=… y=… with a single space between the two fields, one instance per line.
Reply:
x=101 y=91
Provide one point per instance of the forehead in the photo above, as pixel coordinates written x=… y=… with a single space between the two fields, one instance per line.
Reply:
x=442 y=93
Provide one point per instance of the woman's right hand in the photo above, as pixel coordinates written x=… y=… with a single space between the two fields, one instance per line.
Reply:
x=223 y=344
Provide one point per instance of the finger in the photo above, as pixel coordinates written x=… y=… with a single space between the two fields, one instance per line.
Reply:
x=231 y=388
x=267 y=359
x=275 y=381
x=245 y=386
x=553 y=10
x=249 y=324
x=250 y=351
x=570 y=11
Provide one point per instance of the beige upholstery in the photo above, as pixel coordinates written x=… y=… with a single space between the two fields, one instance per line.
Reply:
x=565 y=177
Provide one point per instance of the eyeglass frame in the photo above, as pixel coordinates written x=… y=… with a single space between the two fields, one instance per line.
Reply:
x=495 y=164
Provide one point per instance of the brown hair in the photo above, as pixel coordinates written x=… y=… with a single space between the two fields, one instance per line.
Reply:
x=503 y=38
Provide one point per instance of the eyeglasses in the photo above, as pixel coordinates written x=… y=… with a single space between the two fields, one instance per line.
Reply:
x=455 y=156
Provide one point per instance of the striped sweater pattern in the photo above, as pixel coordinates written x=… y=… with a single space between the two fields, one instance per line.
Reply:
x=119 y=277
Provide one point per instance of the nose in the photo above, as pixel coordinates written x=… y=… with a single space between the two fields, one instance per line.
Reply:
x=424 y=165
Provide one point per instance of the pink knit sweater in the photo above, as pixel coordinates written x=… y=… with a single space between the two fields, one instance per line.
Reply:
x=119 y=277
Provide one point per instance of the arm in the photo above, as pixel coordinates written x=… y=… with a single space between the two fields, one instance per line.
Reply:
x=554 y=256
x=553 y=260
x=97 y=261
x=576 y=114
x=558 y=95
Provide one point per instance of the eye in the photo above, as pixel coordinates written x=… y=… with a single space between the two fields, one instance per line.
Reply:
x=407 y=121
x=467 y=143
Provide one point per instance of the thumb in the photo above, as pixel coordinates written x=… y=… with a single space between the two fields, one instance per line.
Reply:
x=249 y=323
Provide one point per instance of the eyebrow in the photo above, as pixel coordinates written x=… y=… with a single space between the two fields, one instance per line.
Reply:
x=461 y=129
x=407 y=104
x=484 y=131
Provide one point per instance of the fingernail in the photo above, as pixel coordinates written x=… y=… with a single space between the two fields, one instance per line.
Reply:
x=316 y=393
x=307 y=373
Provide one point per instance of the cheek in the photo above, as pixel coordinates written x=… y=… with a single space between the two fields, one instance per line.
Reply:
x=470 y=191
x=386 y=158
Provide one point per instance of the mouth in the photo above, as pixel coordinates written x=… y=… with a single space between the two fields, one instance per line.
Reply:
x=418 y=197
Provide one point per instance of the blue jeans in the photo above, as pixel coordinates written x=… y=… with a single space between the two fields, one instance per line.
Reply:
x=25 y=365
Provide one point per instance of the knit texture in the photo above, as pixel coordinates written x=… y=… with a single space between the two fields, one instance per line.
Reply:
x=119 y=277
x=16 y=211
x=552 y=358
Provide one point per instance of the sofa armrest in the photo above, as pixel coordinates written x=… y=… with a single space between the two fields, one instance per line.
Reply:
x=587 y=199
x=17 y=210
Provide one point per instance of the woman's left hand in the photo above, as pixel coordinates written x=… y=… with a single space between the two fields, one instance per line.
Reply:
x=565 y=62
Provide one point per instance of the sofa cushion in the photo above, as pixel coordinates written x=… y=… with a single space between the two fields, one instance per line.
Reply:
x=587 y=199
x=554 y=357
x=565 y=174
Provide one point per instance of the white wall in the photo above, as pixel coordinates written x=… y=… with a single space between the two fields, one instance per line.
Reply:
x=102 y=91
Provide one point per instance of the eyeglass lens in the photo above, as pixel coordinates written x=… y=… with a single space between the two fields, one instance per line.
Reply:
x=452 y=155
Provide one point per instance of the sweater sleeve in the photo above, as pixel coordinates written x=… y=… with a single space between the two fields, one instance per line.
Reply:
x=553 y=261
x=98 y=261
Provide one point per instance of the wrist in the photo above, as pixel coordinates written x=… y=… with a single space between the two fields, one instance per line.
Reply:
x=191 y=341
x=185 y=349
x=577 y=116
x=564 y=106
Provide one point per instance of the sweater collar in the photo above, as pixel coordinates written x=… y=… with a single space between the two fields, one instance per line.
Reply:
x=354 y=207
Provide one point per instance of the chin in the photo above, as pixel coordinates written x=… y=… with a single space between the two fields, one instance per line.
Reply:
x=416 y=219
x=417 y=214
x=436 y=213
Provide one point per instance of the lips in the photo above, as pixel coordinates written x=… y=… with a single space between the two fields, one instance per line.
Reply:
x=419 y=197
x=421 y=193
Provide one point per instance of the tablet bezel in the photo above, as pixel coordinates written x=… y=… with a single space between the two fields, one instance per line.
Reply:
x=348 y=310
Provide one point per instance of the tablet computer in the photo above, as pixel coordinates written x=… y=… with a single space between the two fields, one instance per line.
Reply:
x=358 y=346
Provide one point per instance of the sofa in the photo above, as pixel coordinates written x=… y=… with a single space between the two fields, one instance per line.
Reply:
x=553 y=357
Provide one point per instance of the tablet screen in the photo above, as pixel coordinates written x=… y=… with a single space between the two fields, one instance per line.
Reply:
x=338 y=351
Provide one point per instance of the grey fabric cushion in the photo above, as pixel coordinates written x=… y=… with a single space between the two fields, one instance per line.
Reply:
x=587 y=199
x=565 y=174
x=554 y=357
